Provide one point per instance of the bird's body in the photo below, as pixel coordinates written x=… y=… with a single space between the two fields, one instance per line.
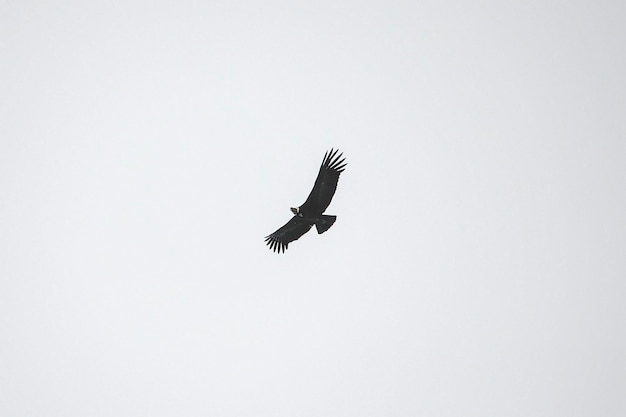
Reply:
x=311 y=212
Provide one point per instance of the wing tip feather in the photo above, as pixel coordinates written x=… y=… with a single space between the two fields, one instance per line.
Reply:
x=334 y=160
x=275 y=244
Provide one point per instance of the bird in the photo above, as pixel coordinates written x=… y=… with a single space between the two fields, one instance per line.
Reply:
x=311 y=211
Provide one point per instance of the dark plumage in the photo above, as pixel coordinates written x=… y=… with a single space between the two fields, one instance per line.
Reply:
x=311 y=212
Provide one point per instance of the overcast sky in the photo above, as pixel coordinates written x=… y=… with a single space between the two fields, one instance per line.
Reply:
x=477 y=266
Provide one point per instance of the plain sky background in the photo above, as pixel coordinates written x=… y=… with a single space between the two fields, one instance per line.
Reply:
x=477 y=266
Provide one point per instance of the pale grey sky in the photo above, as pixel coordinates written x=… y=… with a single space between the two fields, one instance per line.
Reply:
x=477 y=264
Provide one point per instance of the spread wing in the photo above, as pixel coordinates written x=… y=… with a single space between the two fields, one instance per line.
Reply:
x=280 y=239
x=326 y=183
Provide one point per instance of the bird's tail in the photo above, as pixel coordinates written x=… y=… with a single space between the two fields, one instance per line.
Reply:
x=324 y=223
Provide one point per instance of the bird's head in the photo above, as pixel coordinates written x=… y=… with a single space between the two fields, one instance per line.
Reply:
x=296 y=211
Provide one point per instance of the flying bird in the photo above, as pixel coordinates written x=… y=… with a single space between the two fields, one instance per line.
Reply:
x=311 y=212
